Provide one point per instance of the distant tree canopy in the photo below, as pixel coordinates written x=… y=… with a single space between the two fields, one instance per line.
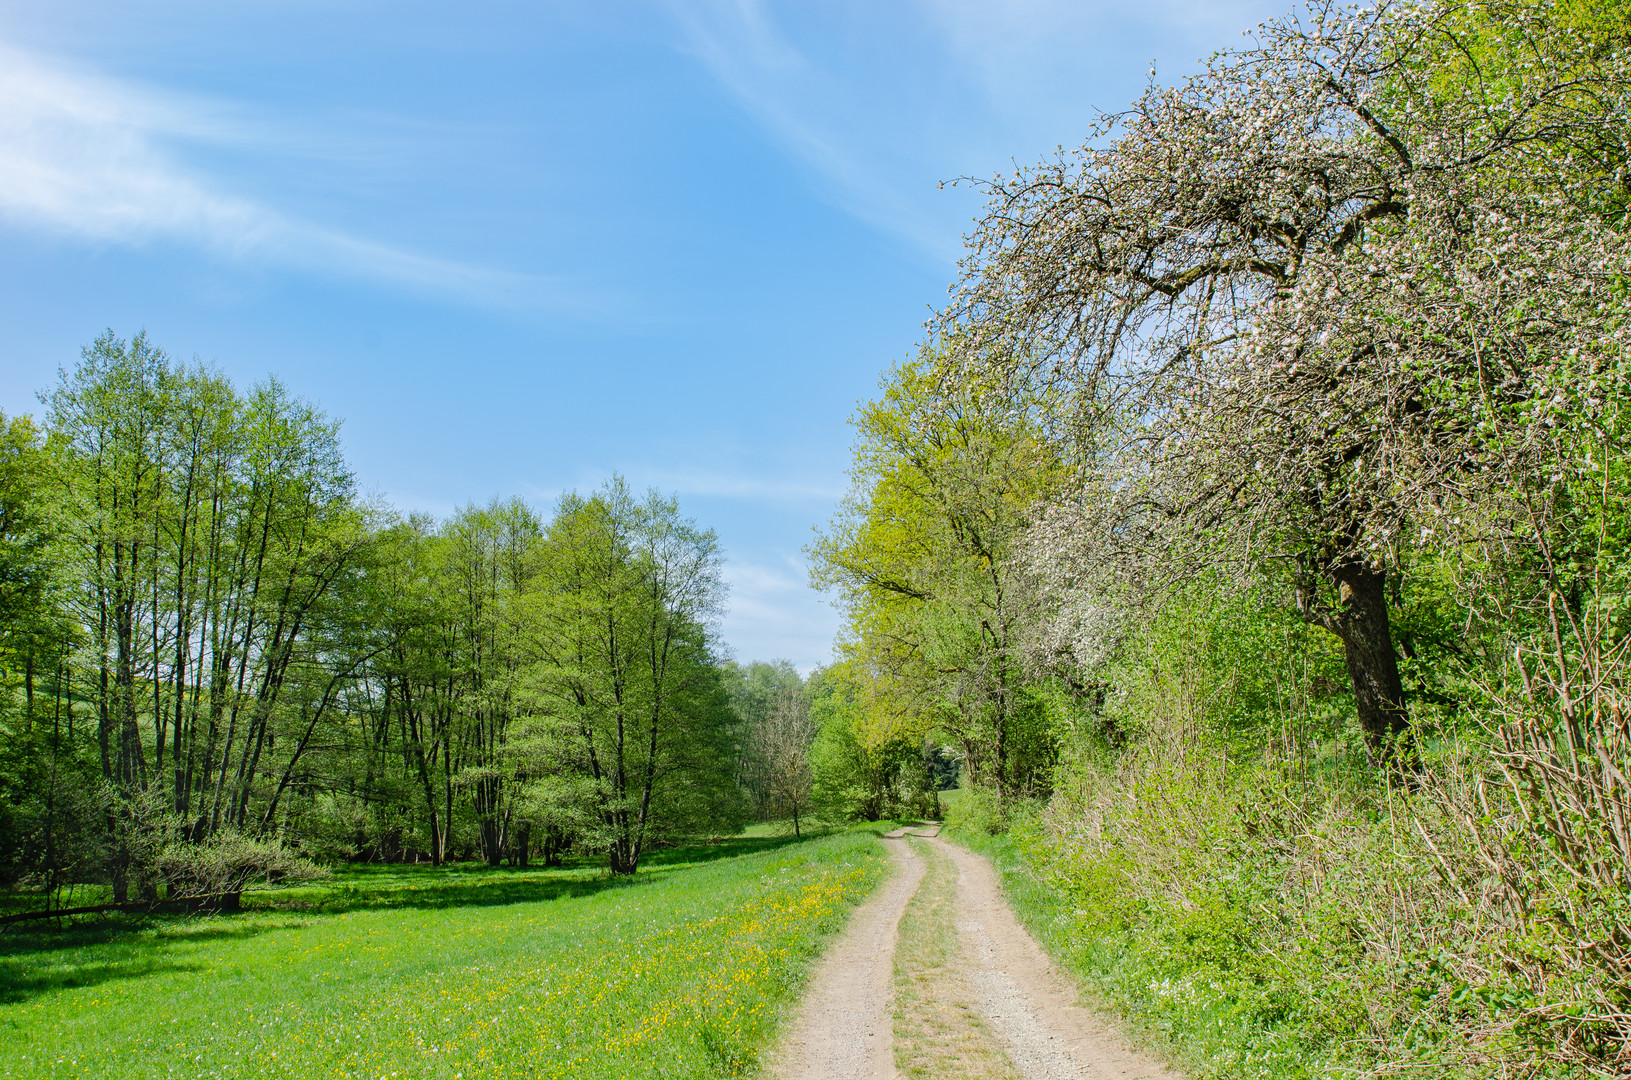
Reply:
x=924 y=556
x=209 y=641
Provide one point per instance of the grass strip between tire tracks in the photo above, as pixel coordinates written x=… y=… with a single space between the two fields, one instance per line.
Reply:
x=939 y=1030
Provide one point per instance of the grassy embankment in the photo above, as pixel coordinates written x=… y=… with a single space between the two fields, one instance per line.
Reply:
x=1096 y=956
x=445 y=974
x=1180 y=981
x=1197 y=934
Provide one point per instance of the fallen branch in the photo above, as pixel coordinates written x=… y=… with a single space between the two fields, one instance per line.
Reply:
x=183 y=902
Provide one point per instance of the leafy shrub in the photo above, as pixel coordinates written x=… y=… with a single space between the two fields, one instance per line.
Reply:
x=857 y=776
x=1280 y=910
x=1551 y=826
x=981 y=812
x=217 y=872
x=1238 y=880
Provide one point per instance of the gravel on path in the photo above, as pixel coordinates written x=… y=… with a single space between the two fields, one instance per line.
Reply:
x=842 y=1028
x=1033 y=1006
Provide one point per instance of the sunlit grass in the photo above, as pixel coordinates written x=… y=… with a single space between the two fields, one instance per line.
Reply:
x=445 y=975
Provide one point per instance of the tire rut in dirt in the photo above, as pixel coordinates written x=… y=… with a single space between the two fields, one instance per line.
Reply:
x=842 y=1029
x=940 y=1030
x=1030 y=1006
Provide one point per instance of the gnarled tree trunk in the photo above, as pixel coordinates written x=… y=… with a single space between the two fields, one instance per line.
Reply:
x=1361 y=621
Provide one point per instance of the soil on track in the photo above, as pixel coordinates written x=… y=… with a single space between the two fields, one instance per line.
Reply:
x=970 y=996
x=842 y=1028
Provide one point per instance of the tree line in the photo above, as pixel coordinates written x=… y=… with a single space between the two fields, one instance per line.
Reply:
x=1252 y=524
x=221 y=661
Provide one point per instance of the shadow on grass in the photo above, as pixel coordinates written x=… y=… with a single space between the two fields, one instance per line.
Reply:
x=367 y=887
x=37 y=958
x=730 y=847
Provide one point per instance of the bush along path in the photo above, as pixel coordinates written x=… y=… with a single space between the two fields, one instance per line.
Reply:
x=935 y=977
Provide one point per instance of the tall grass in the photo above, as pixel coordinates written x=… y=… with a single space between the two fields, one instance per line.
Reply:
x=1278 y=910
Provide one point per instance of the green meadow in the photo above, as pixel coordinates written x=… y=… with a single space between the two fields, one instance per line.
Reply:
x=447 y=973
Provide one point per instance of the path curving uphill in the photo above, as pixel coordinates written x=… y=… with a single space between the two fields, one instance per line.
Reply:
x=934 y=976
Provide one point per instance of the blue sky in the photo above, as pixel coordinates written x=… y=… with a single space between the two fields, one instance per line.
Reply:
x=518 y=247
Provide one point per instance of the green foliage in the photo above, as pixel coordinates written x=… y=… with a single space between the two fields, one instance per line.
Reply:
x=1319 y=655
x=971 y=812
x=25 y=572
x=52 y=808
x=925 y=556
x=211 y=646
x=618 y=621
x=221 y=869
x=863 y=770
x=1237 y=667
x=1233 y=876
x=765 y=697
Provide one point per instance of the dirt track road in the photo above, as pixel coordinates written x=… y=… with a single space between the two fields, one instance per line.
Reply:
x=934 y=976
x=842 y=1028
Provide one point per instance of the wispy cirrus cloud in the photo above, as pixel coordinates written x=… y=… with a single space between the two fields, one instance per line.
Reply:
x=95 y=158
x=882 y=102
x=756 y=487
x=765 y=485
x=774 y=614
x=813 y=110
